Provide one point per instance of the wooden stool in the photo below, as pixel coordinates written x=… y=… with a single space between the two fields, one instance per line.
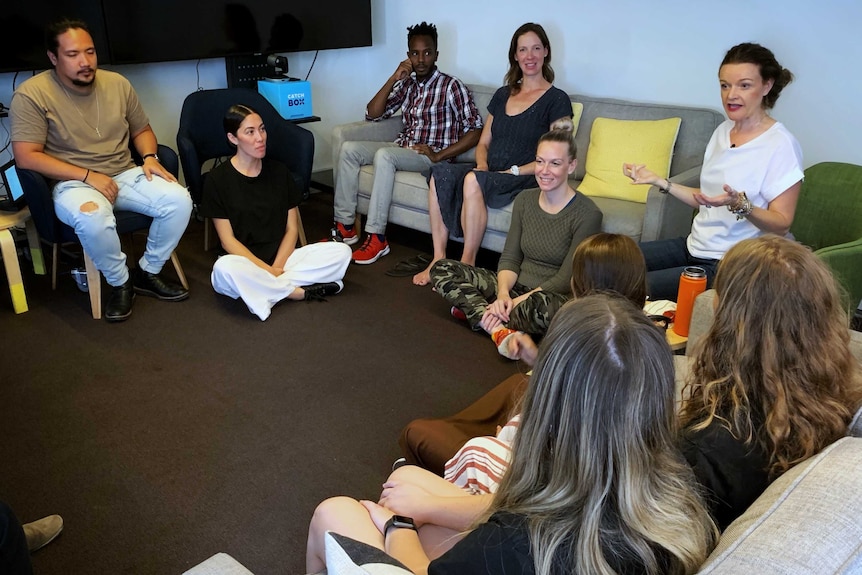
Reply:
x=10 y=255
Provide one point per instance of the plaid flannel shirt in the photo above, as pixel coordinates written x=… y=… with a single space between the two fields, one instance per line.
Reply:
x=437 y=112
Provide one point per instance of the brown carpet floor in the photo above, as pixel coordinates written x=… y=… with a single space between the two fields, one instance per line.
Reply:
x=194 y=428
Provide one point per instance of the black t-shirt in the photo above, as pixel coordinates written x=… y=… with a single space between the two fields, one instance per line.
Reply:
x=502 y=546
x=732 y=473
x=256 y=207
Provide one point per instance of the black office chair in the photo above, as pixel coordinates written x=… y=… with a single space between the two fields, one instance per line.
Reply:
x=53 y=231
x=201 y=138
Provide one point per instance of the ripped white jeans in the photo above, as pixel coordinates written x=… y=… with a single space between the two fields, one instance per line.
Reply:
x=168 y=203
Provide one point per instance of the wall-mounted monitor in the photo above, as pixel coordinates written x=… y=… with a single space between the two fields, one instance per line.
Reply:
x=143 y=31
x=163 y=30
x=22 y=30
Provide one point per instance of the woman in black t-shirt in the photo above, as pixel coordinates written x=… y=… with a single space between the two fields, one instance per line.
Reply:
x=253 y=201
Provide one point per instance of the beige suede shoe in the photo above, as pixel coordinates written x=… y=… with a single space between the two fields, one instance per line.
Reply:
x=40 y=533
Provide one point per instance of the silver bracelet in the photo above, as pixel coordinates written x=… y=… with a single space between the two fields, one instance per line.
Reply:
x=742 y=207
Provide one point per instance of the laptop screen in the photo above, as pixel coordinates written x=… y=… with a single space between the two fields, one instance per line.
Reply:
x=14 y=190
x=12 y=197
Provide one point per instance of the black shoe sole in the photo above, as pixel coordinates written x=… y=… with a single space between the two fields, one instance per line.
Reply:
x=150 y=293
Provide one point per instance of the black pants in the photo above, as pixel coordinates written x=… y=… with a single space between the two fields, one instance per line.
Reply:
x=14 y=555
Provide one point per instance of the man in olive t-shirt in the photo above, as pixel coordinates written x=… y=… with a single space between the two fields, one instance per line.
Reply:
x=74 y=125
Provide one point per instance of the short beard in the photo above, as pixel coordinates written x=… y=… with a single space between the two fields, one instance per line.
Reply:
x=84 y=83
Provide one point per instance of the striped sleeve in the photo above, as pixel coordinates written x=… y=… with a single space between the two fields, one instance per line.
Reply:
x=480 y=464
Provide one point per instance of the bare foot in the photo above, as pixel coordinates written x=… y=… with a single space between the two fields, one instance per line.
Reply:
x=423 y=278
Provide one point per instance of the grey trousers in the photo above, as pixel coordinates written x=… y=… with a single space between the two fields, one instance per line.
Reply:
x=387 y=158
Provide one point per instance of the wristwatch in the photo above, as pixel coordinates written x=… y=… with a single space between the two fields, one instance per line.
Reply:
x=399 y=522
x=515 y=170
x=145 y=156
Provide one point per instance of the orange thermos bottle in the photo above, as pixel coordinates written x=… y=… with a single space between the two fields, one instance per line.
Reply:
x=692 y=282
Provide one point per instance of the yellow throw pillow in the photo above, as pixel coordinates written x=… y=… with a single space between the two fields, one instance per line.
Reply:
x=614 y=142
x=577 y=112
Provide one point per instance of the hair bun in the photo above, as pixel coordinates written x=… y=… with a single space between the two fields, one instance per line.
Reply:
x=564 y=124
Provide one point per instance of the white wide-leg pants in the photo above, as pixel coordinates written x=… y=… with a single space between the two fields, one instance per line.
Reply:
x=237 y=277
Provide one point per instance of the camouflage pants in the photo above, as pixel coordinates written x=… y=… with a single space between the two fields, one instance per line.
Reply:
x=472 y=289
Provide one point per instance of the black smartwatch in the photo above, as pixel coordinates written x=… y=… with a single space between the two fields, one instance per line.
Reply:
x=398 y=522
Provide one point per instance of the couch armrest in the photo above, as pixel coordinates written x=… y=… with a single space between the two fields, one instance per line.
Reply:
x=665 y=216
x=701 y=318
x=844 y=260
x=381 y=131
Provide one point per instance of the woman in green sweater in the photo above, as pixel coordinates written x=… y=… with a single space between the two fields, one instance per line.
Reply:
x=532 y=279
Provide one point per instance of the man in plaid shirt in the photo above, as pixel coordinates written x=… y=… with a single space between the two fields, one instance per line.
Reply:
x=440 y=122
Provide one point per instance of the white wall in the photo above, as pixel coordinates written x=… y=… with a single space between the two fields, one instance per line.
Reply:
x=657 y=51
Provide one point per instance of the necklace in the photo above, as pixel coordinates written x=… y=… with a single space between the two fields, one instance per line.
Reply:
x=98 y=110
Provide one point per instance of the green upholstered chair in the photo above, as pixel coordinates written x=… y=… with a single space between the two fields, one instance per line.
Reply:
x=829 y=221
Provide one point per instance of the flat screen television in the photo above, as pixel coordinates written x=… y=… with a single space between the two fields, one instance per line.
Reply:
x=143 y=31
x=22 y=30
x=164 y=30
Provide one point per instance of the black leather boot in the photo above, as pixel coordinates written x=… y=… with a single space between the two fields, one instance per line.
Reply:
x=119 y=306
x=154 y=286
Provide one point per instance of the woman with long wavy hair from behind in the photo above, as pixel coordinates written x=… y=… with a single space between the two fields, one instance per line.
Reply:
x=773 y=381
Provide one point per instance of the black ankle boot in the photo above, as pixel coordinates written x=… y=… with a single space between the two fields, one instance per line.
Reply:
x=154 y=286
x=119 y=306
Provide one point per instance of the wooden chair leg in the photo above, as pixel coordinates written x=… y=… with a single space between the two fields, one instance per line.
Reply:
x=209 y=232
x=357 y=225
x=179 y=269
x=94 y=286
x=301 y=229
x=13 y=271
x=35 y=248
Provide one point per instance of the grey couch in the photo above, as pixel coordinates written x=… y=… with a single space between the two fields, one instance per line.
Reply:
x=661 y=217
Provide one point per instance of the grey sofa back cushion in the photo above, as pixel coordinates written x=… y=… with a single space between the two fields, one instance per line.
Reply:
x=701 y=319
x=481 y=97
x=807 y=521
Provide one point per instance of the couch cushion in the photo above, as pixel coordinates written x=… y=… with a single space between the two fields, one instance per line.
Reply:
x=346 y=556
x=577 y=112
x=481 y=97
x=219 y=564
x=613 y=142
x=807 y=521
x=621 y=216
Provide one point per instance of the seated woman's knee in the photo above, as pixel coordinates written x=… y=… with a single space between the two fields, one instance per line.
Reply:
x=408 y=474
x=331 y=509
x=471 y=186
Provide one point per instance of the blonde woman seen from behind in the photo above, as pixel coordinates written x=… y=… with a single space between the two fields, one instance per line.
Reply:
x=596 y=483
